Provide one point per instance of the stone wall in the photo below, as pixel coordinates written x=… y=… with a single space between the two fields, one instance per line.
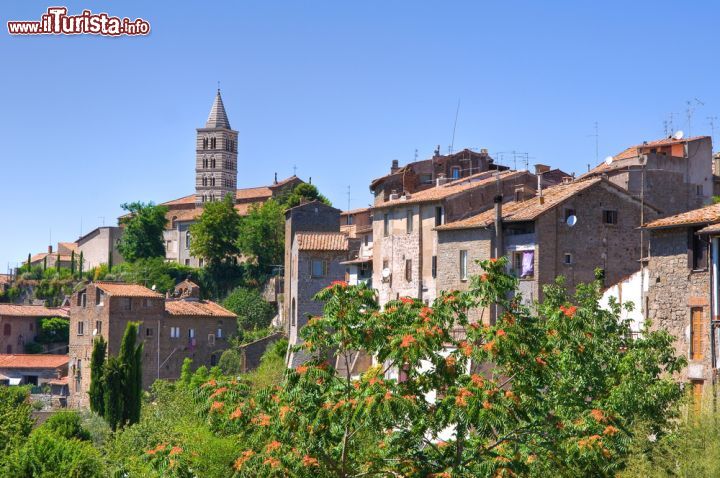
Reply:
x=253 y=352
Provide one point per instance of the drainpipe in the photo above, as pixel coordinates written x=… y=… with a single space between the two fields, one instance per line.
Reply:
x=714 y=259
x=498 y=243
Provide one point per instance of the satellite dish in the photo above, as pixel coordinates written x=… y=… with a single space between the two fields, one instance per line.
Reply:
x=571 y=220
x=678 y=134
x=154 y=287
x=609 y=160
x=386 y=273
x=94 y=332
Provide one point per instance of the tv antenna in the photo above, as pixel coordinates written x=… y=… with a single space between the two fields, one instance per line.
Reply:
x=711 y=120
x=457 y=111
x=596 y=135
x=348 y=195
x=690 y=111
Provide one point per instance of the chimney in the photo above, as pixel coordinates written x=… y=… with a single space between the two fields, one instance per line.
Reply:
x=275 y=182
x=541 y=168
x=50 y=249
x=441 y=179
x=484 y=151
x=395 y=166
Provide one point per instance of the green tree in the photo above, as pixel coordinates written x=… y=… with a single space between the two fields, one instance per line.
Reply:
x=81 y=264
x=15 y=419
x=230 y=362
x=114 y=383
x=130 y=358
x=53 y=329
x=215 y=234
x=303 y=192
x=262 y=234
x=97 y=365
x=565 y=387
x=253 y=311
x=143 y=231
x=67 y=424
x=72 y=263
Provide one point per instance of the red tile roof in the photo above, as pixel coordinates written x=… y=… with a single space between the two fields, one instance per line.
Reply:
x=704 y=215
x=446 y=190
x=711 y=229
x=531 y=209
x=122 y=289
x=33 y=361
x=322 y=241
x=191 y=308
x=17 y=310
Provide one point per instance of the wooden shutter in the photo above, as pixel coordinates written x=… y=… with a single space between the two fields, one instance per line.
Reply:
x=697 y=332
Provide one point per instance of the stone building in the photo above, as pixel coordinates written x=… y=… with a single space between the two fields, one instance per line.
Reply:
x=357 y=223
x=405 y=257
x=32 y=369
x=20 y=324
x=171 y=329
x=676 y=175
x=428 y=173
x=100 y=246
x=570 y=230
x=682 y=297
x=50 y=259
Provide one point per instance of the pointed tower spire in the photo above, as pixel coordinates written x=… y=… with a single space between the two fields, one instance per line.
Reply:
x=218 y=118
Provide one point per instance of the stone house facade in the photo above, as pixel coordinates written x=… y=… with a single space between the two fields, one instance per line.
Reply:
x=32 y=369
x=171 y=329
x=405 y=246
x=19 y=325
x=99 y=246
x=676 y=175
x=542 y=244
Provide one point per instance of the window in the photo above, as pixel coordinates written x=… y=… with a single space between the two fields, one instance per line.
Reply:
x=148 y=332
x=125 y=303
x=7 y=330
x=463 y=265
x=146 y=303
x=219 y=333
x=187 y=239
x=81 y=328
x=187 y=262
x=524 y=264
x=211 y=339
x=434 y=266
x=697 y=333
x=349 y=220
x=82 y=299
x=99 y=297
x=455 y=172
x=205 y=143
x=409 y=221
x=205 y=165
x=426 y=178
x=386 y=224
x=699 y=189
x=439 y=216
x=697 y=251
x=609 y=217
x=568 y=259
x=213 y=360
x=408 y=270
x=213 y=143
x=318 y=268
x=168 y=244
x=191 y=333
x=212 y=181
x=204 y=181
x=98 y=327
x=366 y=239
x=201 y=262
x=174 y=332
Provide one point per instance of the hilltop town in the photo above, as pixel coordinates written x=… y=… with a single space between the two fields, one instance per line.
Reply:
x=228 y=275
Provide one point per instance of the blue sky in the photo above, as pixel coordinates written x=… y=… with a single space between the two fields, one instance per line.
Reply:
x=337 y=89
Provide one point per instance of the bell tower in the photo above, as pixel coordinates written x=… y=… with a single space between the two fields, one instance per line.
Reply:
x=216 y=157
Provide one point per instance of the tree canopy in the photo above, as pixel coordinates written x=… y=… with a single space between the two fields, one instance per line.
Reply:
x=143 y=233
x=262 y=234
x=214 y=235
x=303 y=192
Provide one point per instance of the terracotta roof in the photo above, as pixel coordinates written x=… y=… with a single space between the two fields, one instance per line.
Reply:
x=5 y=278
x=711 y=229
x=122 y=289
x=448 y=189
x=59 y=381
x=183 y=200
x=33 y=361
x=530 y=209
x=361 y=229
x=359 y=260
x=70 y=246
x=321 y=241
x=192 y=308
x=355 y=211
x=704 y=215
x=17 y=310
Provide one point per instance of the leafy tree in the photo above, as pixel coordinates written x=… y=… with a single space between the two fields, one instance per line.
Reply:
x=15 y=419
x=114 y=378
x=97 y=364
x=130 y=358
x=262 y=235
x=33 y=348
x=230 y=362
x=143 y=234
x=186 y=371
x=66 y=424
x=252 y=310
x=565 y=387
x=53 y=329
x=215 y=234
x=303 y=192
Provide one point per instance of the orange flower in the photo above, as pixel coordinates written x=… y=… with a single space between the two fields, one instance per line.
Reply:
x=610 y=430
x=552 y=332
x=487 y=405
x=216 y=406
x=450 y=361
x=236 y=414
x=406 y=300
x=490 y=346
x=540 y=361
x=272 y=446
x=341 y=283
x=462 y=396
x=247 y=454
x=218 y=392
x=477 y=380
x=568 y=311
x=388 y=395
x=176 y=450
x=501 y=333
x=466 y=348
x=598 y=415
x=284 y=410
x=273 y=462
x=209 y=383
x=483 y=277
x=450 y=298
x=309 y=461
x=407 y=340
x=301 y=369
x=262 y=420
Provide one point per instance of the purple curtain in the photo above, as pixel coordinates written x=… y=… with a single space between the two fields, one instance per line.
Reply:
x=528 y=264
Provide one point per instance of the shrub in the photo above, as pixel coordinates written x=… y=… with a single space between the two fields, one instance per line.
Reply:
x=253 y=311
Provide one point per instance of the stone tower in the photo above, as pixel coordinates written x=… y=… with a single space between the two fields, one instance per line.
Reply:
x=216 y=157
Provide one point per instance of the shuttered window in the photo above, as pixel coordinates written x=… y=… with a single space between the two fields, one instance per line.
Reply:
x=697 y=332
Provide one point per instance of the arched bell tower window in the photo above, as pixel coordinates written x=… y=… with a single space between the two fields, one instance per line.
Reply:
x=205 y=143
x=204 y=181
x=213 y=143
x=212 y=163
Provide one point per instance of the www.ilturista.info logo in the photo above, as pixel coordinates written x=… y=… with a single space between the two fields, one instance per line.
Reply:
x=57 y=22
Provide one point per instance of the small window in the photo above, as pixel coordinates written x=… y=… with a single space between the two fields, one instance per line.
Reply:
x=212 y=161
x=455 y=172
x=697 y=250
x=426 y=178
x=213 y=143
x=201 y=262
x=439 y=219
x=568 y=259
x=81 y=328
x=386 y=224
x=408 y=270
x=697 y=333
x=434 y=266
x=463 y=265
x=349 y=220
x=126 y=303
x=83 y=299
x=174 y=332
x=293 y=313
x=213 y=360
x=366 y=238
x=318 y=268
x=146 y=303
x=8 y=349
x=699 y=189
x=191 y=333
x=523 y=263
x=409 y=221
x=219 y=333
x=99 y=297
x=187 y=262
x=610 y=217
x=148 y=332
x=187 y=239
x=211 y=339
x=98 y=327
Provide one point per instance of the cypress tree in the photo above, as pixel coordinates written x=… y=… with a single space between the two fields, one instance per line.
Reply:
x=72 y=263
x=57 y=264
x=97 y=363
x=44 y=263
x=110 y=262
x=130 y=360
x=28 y=262
x=80 y=266
x=114 y=393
